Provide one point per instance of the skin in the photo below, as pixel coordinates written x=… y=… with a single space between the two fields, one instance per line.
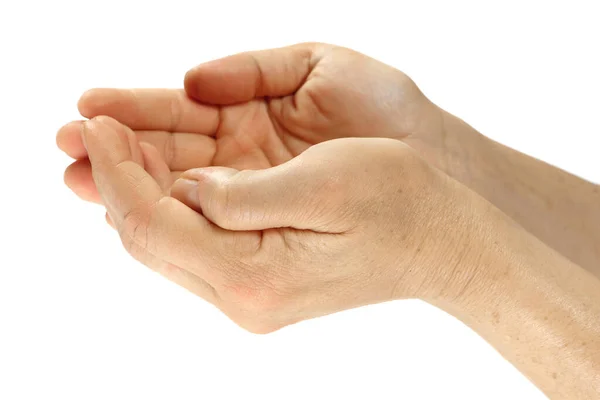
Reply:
x=260 y=109
x=334 y=224
x=559 y=208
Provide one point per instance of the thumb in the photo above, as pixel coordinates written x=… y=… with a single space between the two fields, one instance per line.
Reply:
x=289 y=195
x=246 y=76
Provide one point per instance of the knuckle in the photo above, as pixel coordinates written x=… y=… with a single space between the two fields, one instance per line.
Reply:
x=227 y=206
x=176 y=112
x=134 y=231
x=223 y=211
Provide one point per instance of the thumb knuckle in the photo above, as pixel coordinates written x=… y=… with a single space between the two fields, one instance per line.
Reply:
x=224 y=207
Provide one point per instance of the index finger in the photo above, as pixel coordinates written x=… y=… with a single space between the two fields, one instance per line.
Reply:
x=116 y=174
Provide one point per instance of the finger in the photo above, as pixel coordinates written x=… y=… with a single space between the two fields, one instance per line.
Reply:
x=297 y=194
x=243 y=77
x=156 y=229
x=175 y=175
x=78 y=178
x=68 y=139
x=116 y=170
x=155 y=166
x=151 y=109
x=181 y=151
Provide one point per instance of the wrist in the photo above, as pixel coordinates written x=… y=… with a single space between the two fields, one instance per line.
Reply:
x=451 y=145
x=456 y=250
x=466 y=150
x=506 y=267
x=466 y=247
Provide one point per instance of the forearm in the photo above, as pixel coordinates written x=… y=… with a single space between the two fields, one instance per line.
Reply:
x=560 y=209
x=538 y=309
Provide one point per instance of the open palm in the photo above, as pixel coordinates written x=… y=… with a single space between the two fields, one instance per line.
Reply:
x=255 y=110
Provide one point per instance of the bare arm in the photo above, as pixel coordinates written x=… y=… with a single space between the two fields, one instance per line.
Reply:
x=538 y=309
x=562 y=210
x=290 y=243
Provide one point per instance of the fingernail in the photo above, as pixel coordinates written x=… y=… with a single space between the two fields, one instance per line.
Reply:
x=186 y=191
x=211 y=174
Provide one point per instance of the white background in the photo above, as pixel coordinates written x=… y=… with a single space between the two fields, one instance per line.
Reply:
x=80 y=320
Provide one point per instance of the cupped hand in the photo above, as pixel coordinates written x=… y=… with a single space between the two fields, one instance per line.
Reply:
x=348 y=222
x=260 y=109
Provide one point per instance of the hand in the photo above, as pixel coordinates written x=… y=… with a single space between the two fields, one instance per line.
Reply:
x=260 y=109
x=347 y=223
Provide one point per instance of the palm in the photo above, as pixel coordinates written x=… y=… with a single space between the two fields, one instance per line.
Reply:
x=229 y=122
x=369 y=99
x=250 y=137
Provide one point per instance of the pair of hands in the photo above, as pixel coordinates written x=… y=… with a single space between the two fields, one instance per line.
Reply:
x=236 y=190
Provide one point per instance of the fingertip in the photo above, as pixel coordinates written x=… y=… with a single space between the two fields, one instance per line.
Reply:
x=151 y=158
x=78 y=178
x=94 y=102
x=210 y=174
x=189 y=82
x=106 y=120
x=107 y=139
x=155 y=165
x=221 y=82
x=186 y=191
x=202 y=67
x=90 y=129
x=208 y=191
x=244 y=76
x=149 y=150
x=122 y=136
x=99 y=125
x=75 y=173
x=68 y=140
x=85 y=105
x=117 y=162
